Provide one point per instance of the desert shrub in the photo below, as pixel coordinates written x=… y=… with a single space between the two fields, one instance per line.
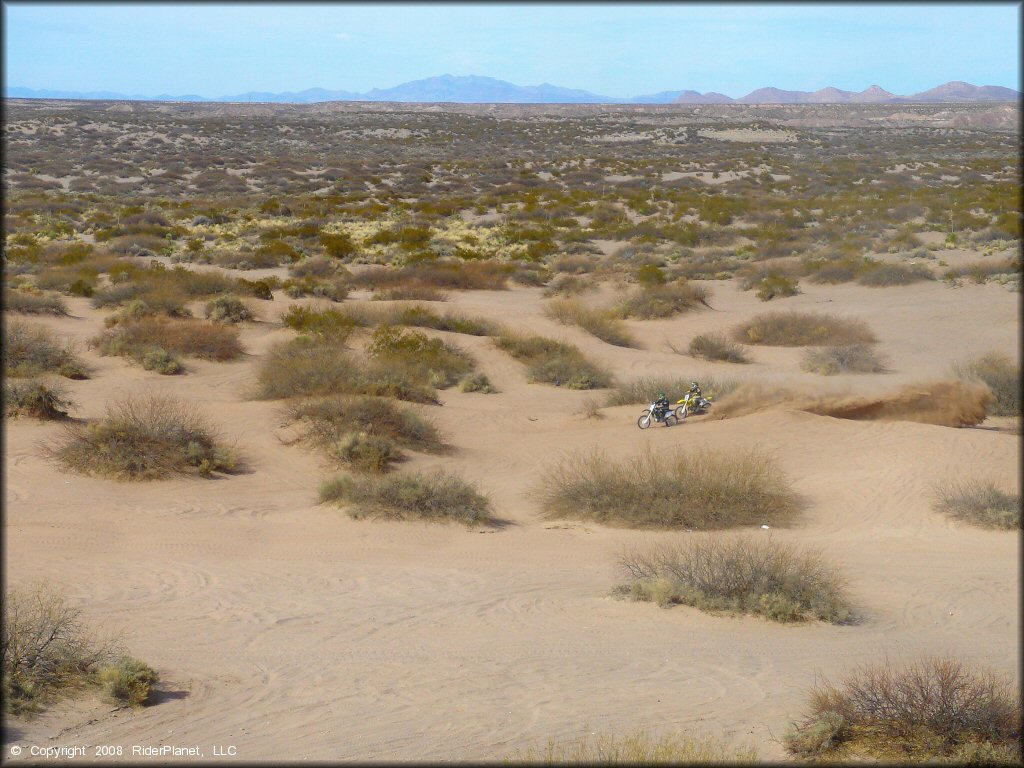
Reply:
x=128 y=681
x=195 y=338
x=327 y=420
x=715 y=346
x=926 y=710
x=476 y=382
x=35 y=400
x=884 y=275
x=363 y=452
x=638 y=748
x=644 y=389
x=335 y=289
x=657 y=301
x=650 y=274
x=979 y=502
x=260 y=289
x=741 y=575
x=144 y=438
x=29 y=303
x=410 y=293
x=434 y=497
x=554 y=362
x=160 y=360
x=602 y=324
x=228 y=309
x=319 y=366
x=1001 y=375
x=424 y=317
x=317 y=267
x=694 y=490
x=847 y=358
x=417 y=357
x=798 y=329
x=569 y=285
x=324 y=322
x=774 y=286
x=30 y=350
x=980 y=271
x=46 y=649
x=337 y=245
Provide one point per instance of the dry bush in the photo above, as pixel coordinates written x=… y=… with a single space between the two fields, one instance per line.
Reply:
x=46 y=649
x=128 y=681
x=715 y=346
x=335 y=289
x=410 y=293
x=30 y=350
x=413 y=356
x=774 y=286
x=643 y=390
x=144 y=438
x=980 y=271
x=658 y=301
x=136 y=338
x=978 y=502
x=848 y=358
x=569 y=285
x=694 y=490
x=324 y=323
x=798 y=329
x=1000 y=375
x=740 y=574
x=319 y=267
x=638 y=748
x=554 y=362
x=930 y=709
x=228 y=309
x=477 y=382
x=35 y=400
x=436 y=497
x=424 y=317
x=328 y=420
x=885 y=275
x=29 y=303
x=591 y=409
x=600 y=323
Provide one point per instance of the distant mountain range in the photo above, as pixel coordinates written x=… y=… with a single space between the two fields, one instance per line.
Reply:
x=473 y=89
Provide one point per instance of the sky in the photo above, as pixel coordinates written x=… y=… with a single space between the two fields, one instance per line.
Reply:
x=619 y=50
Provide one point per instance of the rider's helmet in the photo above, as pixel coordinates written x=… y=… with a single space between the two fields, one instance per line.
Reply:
x=661 y=395
x=693 y=385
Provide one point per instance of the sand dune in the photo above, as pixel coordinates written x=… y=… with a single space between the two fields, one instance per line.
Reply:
x=293 y=632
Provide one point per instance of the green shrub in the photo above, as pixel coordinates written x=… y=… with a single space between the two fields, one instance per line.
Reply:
x=30 y=350
x=228 y=309
x=35 y=400
x=129 y=681
x=324 y=323
x=741 y=575
x=554 y=362
x=650 y=274
x=658 y=301
x=798 y=329
x=715 y=346
x=775 y=286
x=143 y=438
x=337 y=245
x=434 y=497
x=932 y=709
x=476 y=382
x=979 y=502
x=160 y=360
x=848 y=358
x=1001 y=375
x=696 y=490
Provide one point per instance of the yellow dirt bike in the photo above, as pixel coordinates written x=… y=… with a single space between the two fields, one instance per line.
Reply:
x=691 y=405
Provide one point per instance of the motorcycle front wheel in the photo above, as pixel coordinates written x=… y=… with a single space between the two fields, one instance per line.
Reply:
x=645 y=420
x=680 y=413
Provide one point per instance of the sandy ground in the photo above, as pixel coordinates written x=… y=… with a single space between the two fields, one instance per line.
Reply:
x=289 y=631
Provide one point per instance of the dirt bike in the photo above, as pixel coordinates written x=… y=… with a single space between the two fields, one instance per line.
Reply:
x=654 y=413
x=691 y=404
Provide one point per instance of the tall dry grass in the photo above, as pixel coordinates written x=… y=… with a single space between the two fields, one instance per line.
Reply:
x=636 y=748
x=30 y=350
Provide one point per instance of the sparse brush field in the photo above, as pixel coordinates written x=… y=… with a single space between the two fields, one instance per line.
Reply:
x=144 y=438
x=33 y=303
x=699 y=490
x=802 y=329
x=154 y=341
x=741 y=575
x=600 y=323
x=35 y=399
x=435 y=498
x=932 y=709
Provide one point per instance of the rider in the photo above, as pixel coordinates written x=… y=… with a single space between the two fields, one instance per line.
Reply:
x=661 y=405
x=695 y=394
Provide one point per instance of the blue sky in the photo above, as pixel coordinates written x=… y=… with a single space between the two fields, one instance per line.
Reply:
x=611 y=49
